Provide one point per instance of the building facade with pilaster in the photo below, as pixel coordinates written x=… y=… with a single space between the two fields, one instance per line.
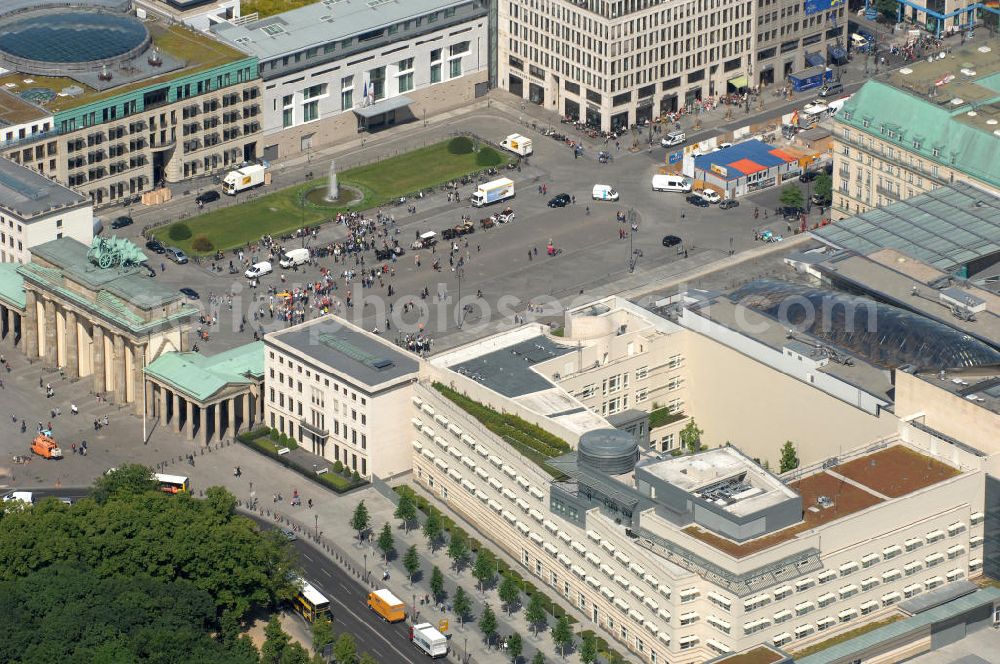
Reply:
x=98 y=324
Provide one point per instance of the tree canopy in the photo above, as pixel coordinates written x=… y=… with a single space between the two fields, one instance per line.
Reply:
x=135 y=575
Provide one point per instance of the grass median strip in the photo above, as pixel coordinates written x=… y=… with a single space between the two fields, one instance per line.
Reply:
x=288 y=209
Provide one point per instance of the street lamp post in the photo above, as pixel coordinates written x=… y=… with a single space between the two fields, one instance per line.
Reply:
x=465 y=649
x=317 y=525
x=459 y=273
x=413 y=615
x=366 y=566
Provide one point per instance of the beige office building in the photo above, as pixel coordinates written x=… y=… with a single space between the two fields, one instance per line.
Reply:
x=173 y=105
x=616 y=63
x=921 y=127
x=331 y=386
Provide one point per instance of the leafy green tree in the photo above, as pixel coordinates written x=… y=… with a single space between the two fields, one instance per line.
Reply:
x=322 y=634
x=789 y=457
x=295 y=654
x=562 y=634
x=887 y=8
x=433 y=529
x=485 y=568
x=411 y=561
x=345 y=650
x=514 y=646
x=360 y=520
x=437 y=584
x=539 y=658
x=509 y=592
x=275 y=642
x=535 y=613
x=461 y=604
x=588 y=651
x=128 y=480
x=367 y=658
x=488 y=623
x=823 y=187
x=385 y=541
x=458 y=550
x=691 y=436
x=792 y=196
x=406 y=509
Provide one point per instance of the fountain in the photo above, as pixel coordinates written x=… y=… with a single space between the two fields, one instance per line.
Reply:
x=332 y=195
x=333 y=189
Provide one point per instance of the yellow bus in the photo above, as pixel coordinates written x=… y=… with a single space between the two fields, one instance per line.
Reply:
x=310 y=603
x=172 y=483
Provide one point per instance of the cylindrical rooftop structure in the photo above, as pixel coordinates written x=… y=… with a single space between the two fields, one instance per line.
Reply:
x=608 y=450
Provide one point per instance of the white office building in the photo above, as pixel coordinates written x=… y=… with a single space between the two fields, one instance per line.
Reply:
x=339 y=67
x=35 y=210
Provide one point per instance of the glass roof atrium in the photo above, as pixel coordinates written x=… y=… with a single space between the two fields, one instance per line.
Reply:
x=881 y=334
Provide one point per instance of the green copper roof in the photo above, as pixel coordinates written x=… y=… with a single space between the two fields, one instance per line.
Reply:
x=939 y=127
x=11 y=285
x=200 y=377
x=134 y=285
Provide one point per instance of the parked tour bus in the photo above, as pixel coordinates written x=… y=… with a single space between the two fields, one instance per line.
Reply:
x=172 y=483
x=310 y=603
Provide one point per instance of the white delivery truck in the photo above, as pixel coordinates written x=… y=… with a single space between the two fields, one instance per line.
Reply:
x=518 y=144
x=429 y=640
x=294 y=258
x=493 y=192
x=671 y=183
x=242 y=179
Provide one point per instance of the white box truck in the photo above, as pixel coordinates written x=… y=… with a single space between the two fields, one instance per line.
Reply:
x=493 y=192
x=518 y=144
x=242 y=179
x=294 y=258
x=429 y=640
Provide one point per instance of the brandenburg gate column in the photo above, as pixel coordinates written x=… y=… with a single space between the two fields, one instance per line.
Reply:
x=99 y=359
x=51 y=339
x=119 y=369
x=29 y=326
x=72 y=346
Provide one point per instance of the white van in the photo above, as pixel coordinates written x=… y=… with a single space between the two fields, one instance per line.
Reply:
x=258 y=270
x=671 y=183
x=604 y=192
x=673 y=138
x=294 y=257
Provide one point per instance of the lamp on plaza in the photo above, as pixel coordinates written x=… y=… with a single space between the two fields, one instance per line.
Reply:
x=459 y=273
x=317 y=525
x=465 y=649
x=366 y=567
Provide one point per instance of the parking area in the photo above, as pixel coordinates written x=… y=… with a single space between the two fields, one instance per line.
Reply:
x=595 y=242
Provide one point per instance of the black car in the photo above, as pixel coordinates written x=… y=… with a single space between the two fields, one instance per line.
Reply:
x=207 y=197
x=729 y=203
x=121 y=222
x=790 y=212
x=156 y=246
x=671 y=240
x=191 y=293
x=561 y=200
x=384 y=254
x=697 y=201
x=808 y=176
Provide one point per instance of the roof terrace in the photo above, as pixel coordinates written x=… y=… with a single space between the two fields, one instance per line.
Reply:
x=193 y=51
x=841 y=490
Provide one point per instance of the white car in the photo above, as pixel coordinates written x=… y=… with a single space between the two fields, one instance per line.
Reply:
x=673 y=138
x=708 y=195
x=258 y=270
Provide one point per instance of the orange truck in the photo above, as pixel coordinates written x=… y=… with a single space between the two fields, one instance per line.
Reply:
x=45 y=447
x=387 y=605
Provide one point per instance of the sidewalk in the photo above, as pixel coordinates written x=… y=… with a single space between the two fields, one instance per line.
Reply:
x=329 y=517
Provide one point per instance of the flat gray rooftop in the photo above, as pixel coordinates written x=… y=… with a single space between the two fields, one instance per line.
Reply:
x=323 y=22
x=770 y=332
x=948 y=227
x=508 y=370
x=29 y=194
x=893 y=286
x=346 y=350
x=981 y=390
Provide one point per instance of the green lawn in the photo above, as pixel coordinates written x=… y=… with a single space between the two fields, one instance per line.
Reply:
x=381 y=182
